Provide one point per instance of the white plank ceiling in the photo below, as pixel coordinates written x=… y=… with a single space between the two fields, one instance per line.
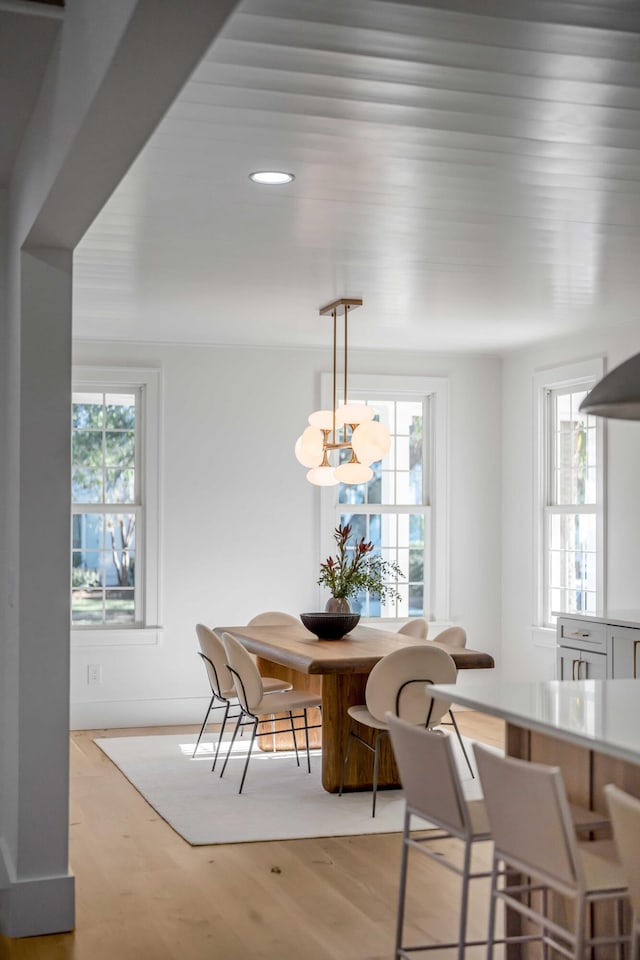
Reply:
x=469 y=167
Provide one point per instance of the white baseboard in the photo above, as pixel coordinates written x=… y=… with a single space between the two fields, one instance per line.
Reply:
x=96 y=715
x=36 y=906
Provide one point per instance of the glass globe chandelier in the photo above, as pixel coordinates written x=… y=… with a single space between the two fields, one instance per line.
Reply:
x=350 y=427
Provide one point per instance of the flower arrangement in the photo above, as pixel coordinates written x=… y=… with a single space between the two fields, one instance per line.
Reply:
x=352 y=571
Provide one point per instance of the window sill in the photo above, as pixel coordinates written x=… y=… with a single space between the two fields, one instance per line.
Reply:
x=115 y=636
x=393 y=624
x=544 y=637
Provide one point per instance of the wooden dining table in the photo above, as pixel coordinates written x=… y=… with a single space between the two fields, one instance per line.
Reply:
x=339 y=670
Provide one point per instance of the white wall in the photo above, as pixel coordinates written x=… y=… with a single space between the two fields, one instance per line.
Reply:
x=527 y=653
x=240 y=523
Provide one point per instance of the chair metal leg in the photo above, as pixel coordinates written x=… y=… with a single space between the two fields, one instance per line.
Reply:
x=404 y=862
x=246 y=763
x=306 y=736
x=460 y=741
x=491 y=934
x=464 y=901
x=233 y=740
x=346 y=760
x=293 y=733
x=204 y=723
x=579 y=928
x=619 y=927
x=221 y=734
x=376 y=765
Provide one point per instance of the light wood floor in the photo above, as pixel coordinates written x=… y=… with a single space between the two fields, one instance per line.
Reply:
x=143 y=892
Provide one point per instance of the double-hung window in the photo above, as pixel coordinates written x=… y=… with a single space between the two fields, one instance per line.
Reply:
x=571 y=561
x=402 y=510
x=114 y=495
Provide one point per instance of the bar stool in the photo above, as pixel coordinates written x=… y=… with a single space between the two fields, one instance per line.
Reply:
x=534 y=839
x=625 y=819
x=433 y=792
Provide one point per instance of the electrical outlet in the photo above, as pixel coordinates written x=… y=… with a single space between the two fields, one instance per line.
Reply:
x=94 y=673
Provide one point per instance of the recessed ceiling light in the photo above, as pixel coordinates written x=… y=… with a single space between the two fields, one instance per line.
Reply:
x=272 y=177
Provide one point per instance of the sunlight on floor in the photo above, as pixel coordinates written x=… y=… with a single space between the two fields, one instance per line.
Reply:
x=206 y=751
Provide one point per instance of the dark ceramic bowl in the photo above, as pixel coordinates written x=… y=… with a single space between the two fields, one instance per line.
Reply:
x=330 y=626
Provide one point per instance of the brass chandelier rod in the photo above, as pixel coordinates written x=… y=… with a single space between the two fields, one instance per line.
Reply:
x=332 y=310
x=345 y=400
x=335 y=397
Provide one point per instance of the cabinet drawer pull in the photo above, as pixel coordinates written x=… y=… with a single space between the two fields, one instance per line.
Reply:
x=579 y=634
x=636 y=643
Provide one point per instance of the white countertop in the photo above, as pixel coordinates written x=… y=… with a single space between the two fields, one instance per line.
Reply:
x=618 y=618
x=603 y=715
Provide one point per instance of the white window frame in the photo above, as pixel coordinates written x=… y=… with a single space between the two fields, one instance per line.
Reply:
x=147 y=382
x=436 y=481
x=582 y=374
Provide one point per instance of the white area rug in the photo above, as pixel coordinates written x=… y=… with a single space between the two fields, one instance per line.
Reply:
x=280 y=801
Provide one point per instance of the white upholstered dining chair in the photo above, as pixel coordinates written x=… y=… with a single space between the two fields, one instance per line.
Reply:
x=273 y=618
x=418 y=628
x=255 y=702
x=398 y=684
x=223 y=690
x=455 y=637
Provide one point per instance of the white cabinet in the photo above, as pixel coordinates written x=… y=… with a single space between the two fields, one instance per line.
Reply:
x=582 y=650
x=598 y=648
x=624 y=652
x=581 y=664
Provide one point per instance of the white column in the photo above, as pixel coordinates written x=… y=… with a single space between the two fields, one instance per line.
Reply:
x=40 y=897
x=116 y=68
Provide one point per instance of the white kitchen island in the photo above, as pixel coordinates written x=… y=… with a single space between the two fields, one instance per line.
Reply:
x=601 y=716
x=589 y=728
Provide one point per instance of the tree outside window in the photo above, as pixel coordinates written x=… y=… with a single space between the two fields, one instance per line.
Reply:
x=106 y=509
